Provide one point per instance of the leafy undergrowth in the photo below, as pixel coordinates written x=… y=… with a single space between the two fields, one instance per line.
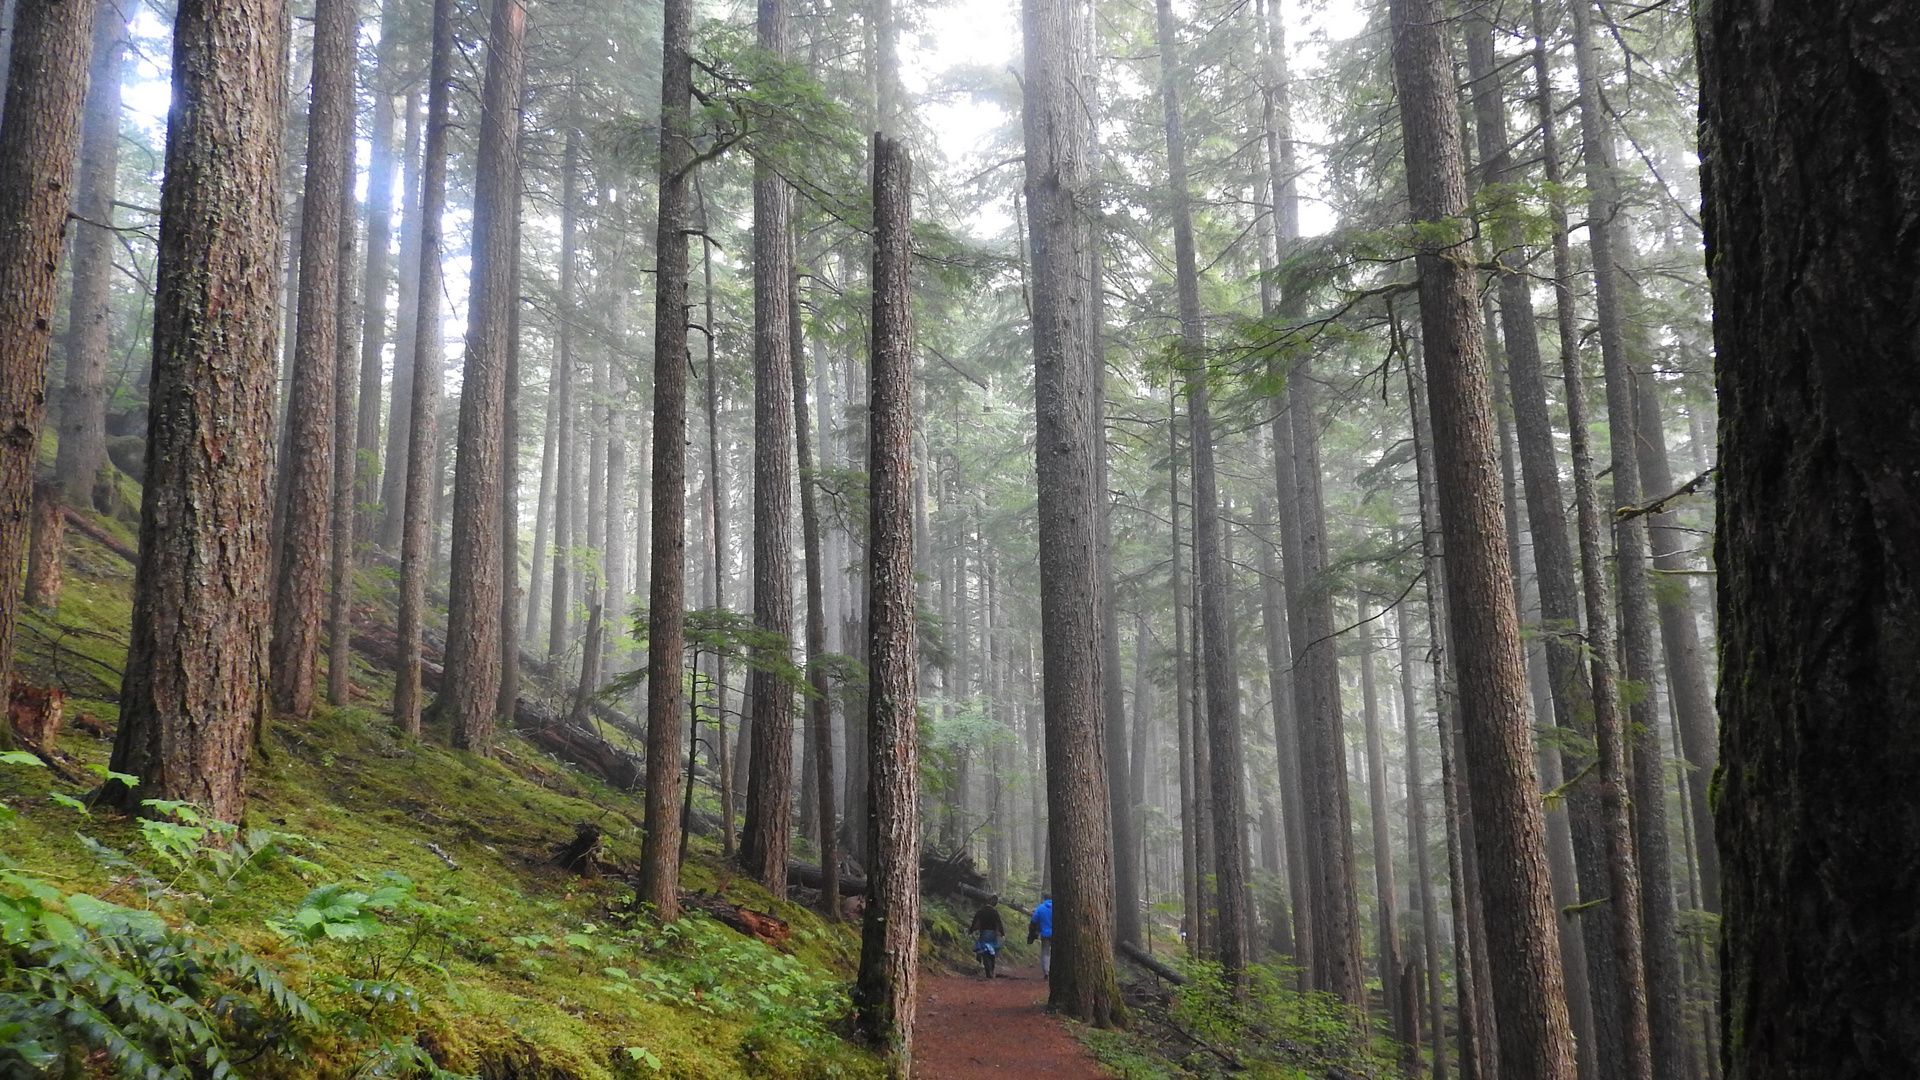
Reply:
x=1198 y=1030
x=385 y=909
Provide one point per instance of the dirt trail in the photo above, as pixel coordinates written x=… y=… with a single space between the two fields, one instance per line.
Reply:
x=973 y=1029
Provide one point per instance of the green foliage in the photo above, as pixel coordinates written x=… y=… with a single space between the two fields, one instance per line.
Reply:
x=81 y=974
x=1276 y=1033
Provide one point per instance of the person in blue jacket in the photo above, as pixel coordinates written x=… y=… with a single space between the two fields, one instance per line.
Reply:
x=1040 y=928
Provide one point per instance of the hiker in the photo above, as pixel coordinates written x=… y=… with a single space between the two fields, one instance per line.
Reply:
x=1040 y=928
x=987 y=930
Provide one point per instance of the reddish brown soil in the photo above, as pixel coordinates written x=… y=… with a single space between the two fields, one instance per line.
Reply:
x=972 y=1029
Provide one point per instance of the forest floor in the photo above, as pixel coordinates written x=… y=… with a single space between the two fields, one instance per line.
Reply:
x=972 y=1028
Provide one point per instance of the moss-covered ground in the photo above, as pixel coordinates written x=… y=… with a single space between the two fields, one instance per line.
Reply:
x=409 y=893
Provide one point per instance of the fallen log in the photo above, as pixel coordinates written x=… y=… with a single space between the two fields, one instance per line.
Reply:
x=986 y=897
x=1146 y=960
x=810 y=876
x=101 y=536
x=586 y=750
x=759 y=924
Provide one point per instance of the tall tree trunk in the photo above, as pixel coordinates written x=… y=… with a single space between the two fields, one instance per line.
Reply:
x=1804 y=129
x=768 y=826
x=195 y=689
x=566 y=506
x=1536 y=1040
x=1084 y=984
x=1192 y=915
x=1680 y=640
x=307 y=466
x=470 y=693
x=1224 y=754
x=666 y=615
x=46 y=95
x=1423 y=881
x=885 y=994
x=83 y=402
x=345 y=419
x=423 y=400
x=819 y=702
x=406 y=324
x=1660 y=939
x=1571 y=695
x=507 y=705
x=1286 y=738
x=1387 y=922
x=378 y=268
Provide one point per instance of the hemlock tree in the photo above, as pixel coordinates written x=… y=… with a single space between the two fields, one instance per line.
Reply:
x=1808 y=148
x=196 y=680
x=1536 y=1040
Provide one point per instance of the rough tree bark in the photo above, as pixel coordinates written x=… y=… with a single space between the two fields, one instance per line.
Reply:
x=470 y=693
x=885 y=993
x=1068 y=422
x=767 y=829
x=1808 y=148
x=1536 y=1040
x=666 y=616
x=46 y=94
x=306 y=479
x=1571 y=697
x=195 y=689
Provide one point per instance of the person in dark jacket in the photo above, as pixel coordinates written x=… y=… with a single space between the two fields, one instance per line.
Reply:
x=1040 y=928
x=987 y=930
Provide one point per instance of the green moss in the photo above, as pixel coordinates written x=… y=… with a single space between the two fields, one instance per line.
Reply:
x=509 y=966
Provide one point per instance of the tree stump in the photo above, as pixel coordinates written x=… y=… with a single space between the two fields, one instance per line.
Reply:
x=46 y=546
x=36 y=712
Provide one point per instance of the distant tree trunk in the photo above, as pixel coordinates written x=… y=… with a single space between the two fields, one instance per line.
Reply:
x=1687 y=681
x=393 y=479
x=566 y=484
x=1286 y=735
x=422 y=487
x=195 y=689
x=1225 y=758
x=666 y=615
x=1192 y=906
x=819 y=704
x=511 y=628
x=341 y=512
x=378 y=269
x=1536 y=1040
x=1422 y=885
x=1084 y=984
x=1647 y=773
x=768 y=825
x=307 y=464
x=1818 y=539
x=885 y=994
x=715 y=519
x=470 y=688
x=46 y=546
x=83 y=402
x=1387 y=921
